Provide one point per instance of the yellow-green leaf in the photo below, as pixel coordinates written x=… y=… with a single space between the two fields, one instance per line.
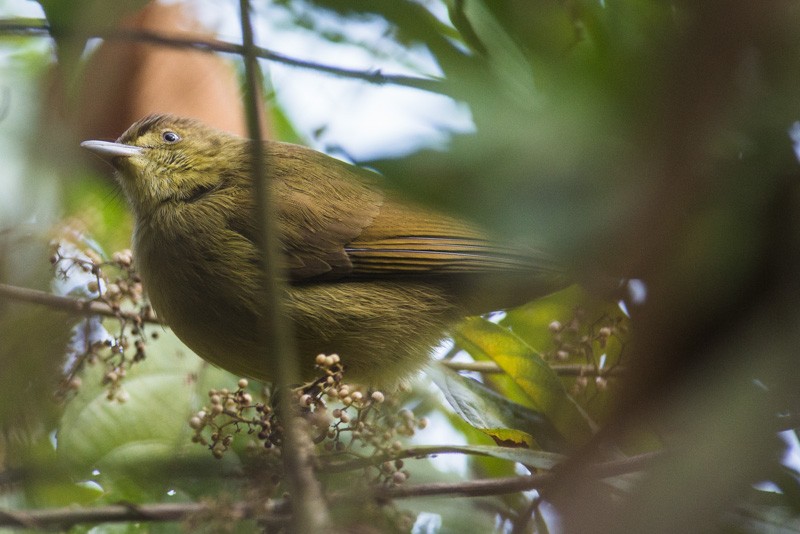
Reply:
x=529 y=371
x=505 y=421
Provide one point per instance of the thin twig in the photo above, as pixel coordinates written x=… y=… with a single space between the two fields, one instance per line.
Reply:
x=499 y=486
x=338 y=466
x=561 y=369
x=69 y=304
x=523 y=519
x=39 y=27
x=309 y=506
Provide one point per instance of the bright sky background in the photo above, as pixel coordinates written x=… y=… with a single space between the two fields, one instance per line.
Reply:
x=360 y=118
x=363 y=119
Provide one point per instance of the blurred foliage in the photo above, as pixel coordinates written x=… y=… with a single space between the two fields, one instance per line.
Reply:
x=638 y=139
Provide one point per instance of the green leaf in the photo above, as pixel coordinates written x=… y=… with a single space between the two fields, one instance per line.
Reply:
x=499 y=418
x=530 y=372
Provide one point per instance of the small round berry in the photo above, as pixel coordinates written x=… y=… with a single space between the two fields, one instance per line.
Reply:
x=378 y=397
x=242 y=383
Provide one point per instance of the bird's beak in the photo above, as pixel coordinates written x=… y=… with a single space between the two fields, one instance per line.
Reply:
x=110 y=151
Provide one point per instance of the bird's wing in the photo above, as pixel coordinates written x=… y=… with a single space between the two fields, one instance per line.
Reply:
x=323 y=204
x=407 y=240
x=335 y=223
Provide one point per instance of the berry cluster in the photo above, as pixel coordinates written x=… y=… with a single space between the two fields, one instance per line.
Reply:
x=578 y=340
x=116 y=284
x=342 y=419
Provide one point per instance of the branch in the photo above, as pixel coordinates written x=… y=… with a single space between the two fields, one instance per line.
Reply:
x=69 y=516
x=499 y=486
x=274 y=329
x=39 y=27
x=69 y=304
x=277 y=513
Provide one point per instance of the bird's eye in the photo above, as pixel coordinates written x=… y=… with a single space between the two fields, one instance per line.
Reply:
x=170 y=137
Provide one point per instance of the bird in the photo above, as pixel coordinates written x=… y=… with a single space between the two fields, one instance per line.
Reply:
x=369 y=275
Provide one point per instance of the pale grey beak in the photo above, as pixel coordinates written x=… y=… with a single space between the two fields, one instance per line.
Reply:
x=108 y=151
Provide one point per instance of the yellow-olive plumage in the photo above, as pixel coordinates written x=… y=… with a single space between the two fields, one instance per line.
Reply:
x=370 y=277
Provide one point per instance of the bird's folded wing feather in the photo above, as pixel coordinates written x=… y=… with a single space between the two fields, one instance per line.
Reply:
x=335 y=223
x=405 y=239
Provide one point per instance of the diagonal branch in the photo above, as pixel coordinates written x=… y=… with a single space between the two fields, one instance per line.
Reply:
x=499 y=486
x=68 y=304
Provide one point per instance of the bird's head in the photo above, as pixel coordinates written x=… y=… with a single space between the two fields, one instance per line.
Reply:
x=167 y=159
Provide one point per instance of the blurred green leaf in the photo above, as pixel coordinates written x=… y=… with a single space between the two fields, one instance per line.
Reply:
x=142 y=447
x=73 y=23
x=97 y=206
x=509 y=68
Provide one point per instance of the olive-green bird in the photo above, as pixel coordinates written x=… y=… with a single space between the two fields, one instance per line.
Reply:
x=371 y=277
